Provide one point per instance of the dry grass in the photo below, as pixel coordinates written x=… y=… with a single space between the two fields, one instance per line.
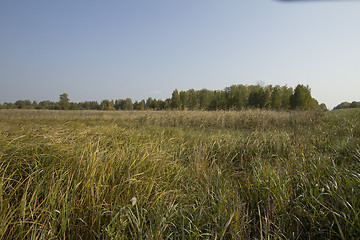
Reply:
x=195 y=175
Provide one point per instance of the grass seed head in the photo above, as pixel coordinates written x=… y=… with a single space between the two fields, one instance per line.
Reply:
x=133 y=201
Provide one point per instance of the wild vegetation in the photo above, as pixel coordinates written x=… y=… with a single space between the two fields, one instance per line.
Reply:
x=253 y=174
x=236 y=97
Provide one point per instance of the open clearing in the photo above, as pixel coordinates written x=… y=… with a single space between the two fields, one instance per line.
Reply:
x=195 y=175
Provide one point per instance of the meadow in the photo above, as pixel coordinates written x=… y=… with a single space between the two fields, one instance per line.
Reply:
x=251 y=174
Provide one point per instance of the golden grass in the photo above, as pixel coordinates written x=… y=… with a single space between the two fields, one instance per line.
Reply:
x=195 y=175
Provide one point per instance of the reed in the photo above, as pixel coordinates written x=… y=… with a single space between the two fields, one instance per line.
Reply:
x=195 y=175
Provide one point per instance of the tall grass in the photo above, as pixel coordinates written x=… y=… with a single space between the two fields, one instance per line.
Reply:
x=195 y=175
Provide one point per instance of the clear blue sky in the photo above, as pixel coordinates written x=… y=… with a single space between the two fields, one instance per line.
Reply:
x=95 y=50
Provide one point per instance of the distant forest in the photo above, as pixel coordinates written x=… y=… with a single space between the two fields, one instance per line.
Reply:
x=235 y=97
x=347 y=105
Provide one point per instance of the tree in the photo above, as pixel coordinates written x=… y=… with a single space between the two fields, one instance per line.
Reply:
x=23 y=104
x=218 y=101
x=128 y=105
x=257 y=97
x=159 y=104
x=106 y=105
x=354 y=104
x=64 y=101
x=119 y=104
x=95 y=105
x=48 y=105
x=183 y=99
x=141 y=105
x=175 y=100
x=192 y=99
x=243 y=97
x=342 y=105
x=301 y=99
x=267 y=97
x=167 y=103
x=276 y=98
x=75 y=106
x=323 y=107
x=34 y=104
x=286 y=93
x=205 y=99
x=150 y=103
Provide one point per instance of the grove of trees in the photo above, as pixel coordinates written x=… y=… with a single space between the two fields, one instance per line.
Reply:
x=342 y=105
x=235 y=97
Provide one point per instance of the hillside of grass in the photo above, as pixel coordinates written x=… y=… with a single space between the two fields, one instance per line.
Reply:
x=251 y=174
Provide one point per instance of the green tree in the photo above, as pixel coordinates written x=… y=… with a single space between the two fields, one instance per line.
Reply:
x=257 y=97
x=237 y=96
x=47 y=105
x=218 y=101
x=192 y=99
x=86 y=105
x=128 y=104
x=205 y=98
x=276 y=98
x=354 y=104
x=119 y=104
x=159 y=104
x=323 y=107
x=75 y=106
x=64 y=101
x=175 y=100
x=95 y=105
x=286 y=94
x=342 y=105
x=301 y=99
x=184 y=100
x=34 y=104
x=167 y=104
x=106 y=105
x=244 y=97
x=141 y=105
x=267 y=97
x=23 y=104
x=136 y=105
x=150 y=103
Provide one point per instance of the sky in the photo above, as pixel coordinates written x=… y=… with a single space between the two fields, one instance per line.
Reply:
x=115 y=49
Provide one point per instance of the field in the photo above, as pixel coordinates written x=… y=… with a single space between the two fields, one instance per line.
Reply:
x=195 y=175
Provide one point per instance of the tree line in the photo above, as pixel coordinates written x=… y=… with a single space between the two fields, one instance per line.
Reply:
x=342 y=105
x=235 y=97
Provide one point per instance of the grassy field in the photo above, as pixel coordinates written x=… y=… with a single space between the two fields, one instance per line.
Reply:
x=195 y=175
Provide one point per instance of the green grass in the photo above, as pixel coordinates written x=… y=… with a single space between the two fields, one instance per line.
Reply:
x=196 y=175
